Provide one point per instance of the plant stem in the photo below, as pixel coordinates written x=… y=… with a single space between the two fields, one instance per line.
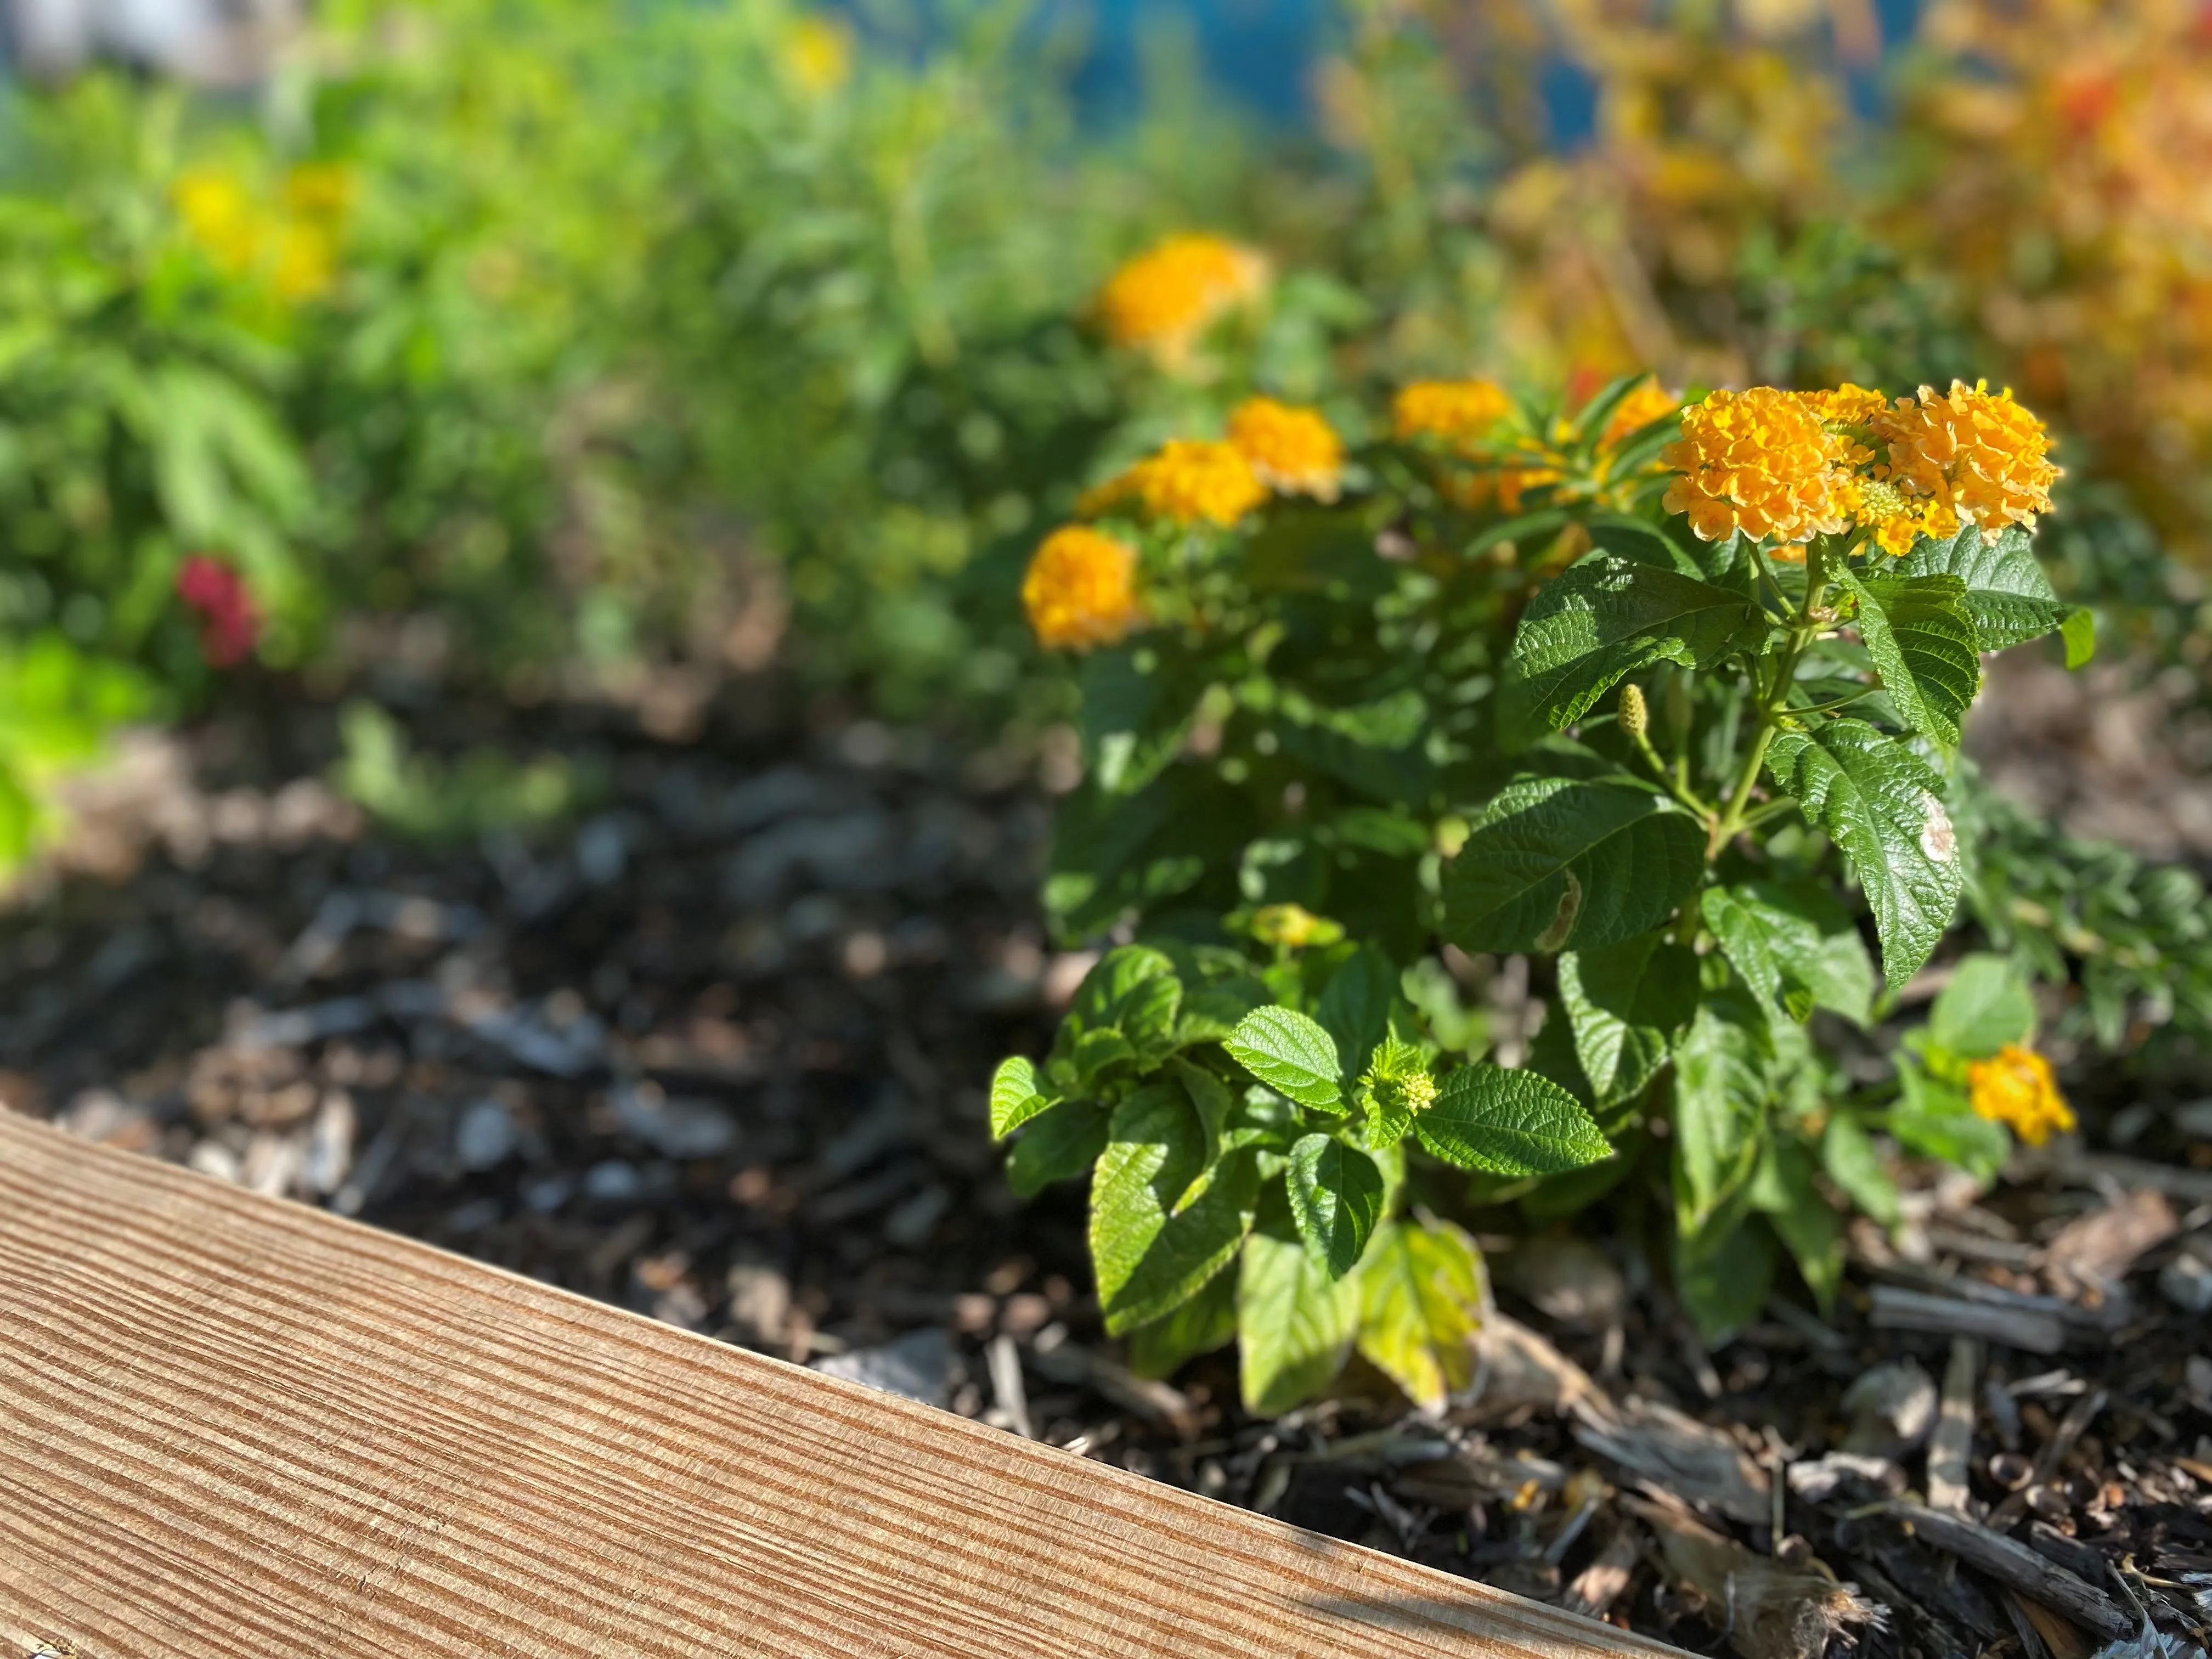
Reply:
x=1803 y=627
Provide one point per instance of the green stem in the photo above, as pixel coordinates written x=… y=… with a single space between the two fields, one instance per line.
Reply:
x=1803 y=627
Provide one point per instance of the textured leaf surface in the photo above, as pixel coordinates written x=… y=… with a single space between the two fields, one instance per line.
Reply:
x=1206 y=1322
x=1149 y=1257
x=1059 y=1144
x=1986 y=1004
x=1555 y=862
x=1921 y=636
x=1291 y=1054
x=1015 y=1096
x=1421 y=1299
x=1295 y=1322
x=1884 y=808
x=1797 y=951
x=1355 y=1007
x=1509 y=1123
x=2006 y=592
x=1336 y=1197
x=1607 y=617
x=1626 y=1004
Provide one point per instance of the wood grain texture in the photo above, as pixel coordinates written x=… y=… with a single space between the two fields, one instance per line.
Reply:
x=234 y=1426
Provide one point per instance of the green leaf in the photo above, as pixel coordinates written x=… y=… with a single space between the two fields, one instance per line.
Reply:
x=1627 y=1004
x=1059 y=1144
x=1783 y=1191
x=1149 y=1256
x=1291 y=1054
x=1509 y=1123
x=1608 y=618
x=1797 y=951
x=1206 y=1322
x=1854 y=1163
x=1295 y=1322
x=1987 y=1005
x=1884 y=807
x=1553 y=862
x=2005 y=591
x=1421 y=1297
x=1133 y=721
x=1336 y=1196
x=1115 y=980
x=1015 y=1097
x=1095 y=1051
x=1723 y=1276
x=1721 y=1094
x=1937 y=1120
x=1921 y=636
x=1210 y=1099
x=1355 y=1006
x=2078 y=629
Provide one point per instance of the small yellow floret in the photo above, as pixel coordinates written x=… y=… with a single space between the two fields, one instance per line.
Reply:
x=1081 y=590
x=1762 y=462
x=1294 y=926
x=1847 y=405
x=1189 y=481
x=1459 y=411
x=1162 y=300
x=1979 y=454
x=817 y=54
x=2015 y=1087
x=220 y=216
x=1293 y=451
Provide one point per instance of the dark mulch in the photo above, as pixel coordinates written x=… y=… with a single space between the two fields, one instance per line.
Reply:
x=715 y=1051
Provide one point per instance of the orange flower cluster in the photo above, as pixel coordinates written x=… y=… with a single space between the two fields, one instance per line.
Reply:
x=1165 y=299
x=1785 y=466
x=2015 y=1087
x=1080 y=590
x=1186 y=481
x=1459 y=411
x=1293 y=451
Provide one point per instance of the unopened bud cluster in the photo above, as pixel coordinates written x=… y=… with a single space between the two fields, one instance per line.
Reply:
x=1635 y=716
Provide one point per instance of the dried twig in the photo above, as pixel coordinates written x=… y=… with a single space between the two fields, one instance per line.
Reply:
x=2016 y=1566
x=1950 y=1448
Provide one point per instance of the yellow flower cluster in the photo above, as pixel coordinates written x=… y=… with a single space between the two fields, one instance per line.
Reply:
x=1165 y=299
x=1080 y=590
x=2015 y=1087
x=1646 y=404
x=292 y=246
x=1458 y=411
x=1786 y=466
x=817 y=54
x=1293 y=451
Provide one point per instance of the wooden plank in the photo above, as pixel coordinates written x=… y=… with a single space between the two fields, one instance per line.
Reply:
x=232 y=1425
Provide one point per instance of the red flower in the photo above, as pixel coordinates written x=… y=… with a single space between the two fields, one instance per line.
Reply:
x=230 y=623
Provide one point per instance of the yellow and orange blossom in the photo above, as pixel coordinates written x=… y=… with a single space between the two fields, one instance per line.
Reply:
x=1646 y=404
x=1162 y=300
x=1763 y=461
x=1459 y=411
x=1978 y=455
x=1187 y=481
x=1292 y=450
x=2015 y=1087
x=1080 y=590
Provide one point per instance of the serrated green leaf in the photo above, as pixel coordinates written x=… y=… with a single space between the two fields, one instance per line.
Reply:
x=1355 y=1006
x=1113 y=980
x=2006 y=592
x=1608 y=618
x=1095 y=1051
x=1882 y=804
x=1149 y=1256
x=1295 y=1323
x=1509 y=1123
x=1796 y=951
x=1554 y=863
x=1291 y=1054
x=1059 y=1144
x=1336 y=1198
x=1987 y=1005
x=1421 y=1301
x=1721 y=1094
x=1210 y=1098
x=1626 y=1004
x=1206 y=1322
x=1015 y=1096
x=1854 y=1163
x=1921 y=636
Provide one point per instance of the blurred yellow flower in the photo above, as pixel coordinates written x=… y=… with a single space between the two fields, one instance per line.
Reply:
x=220 y=216
x=1080 y=590
x=1294 y=926
x=2015 y=1087
x=1649 y=402
x=1762 y=462
x=1293 y=450
x=1189 y=481
x=1162 y=300
x=1459 y=411
x=817 y=54
x=1978 y=454
x=291 y=246
x=305 y=264
x=319 y=190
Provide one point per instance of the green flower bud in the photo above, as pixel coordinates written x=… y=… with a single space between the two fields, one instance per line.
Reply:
x=1635 y=717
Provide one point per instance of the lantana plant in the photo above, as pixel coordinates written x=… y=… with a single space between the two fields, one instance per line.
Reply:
x=1664 y=700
